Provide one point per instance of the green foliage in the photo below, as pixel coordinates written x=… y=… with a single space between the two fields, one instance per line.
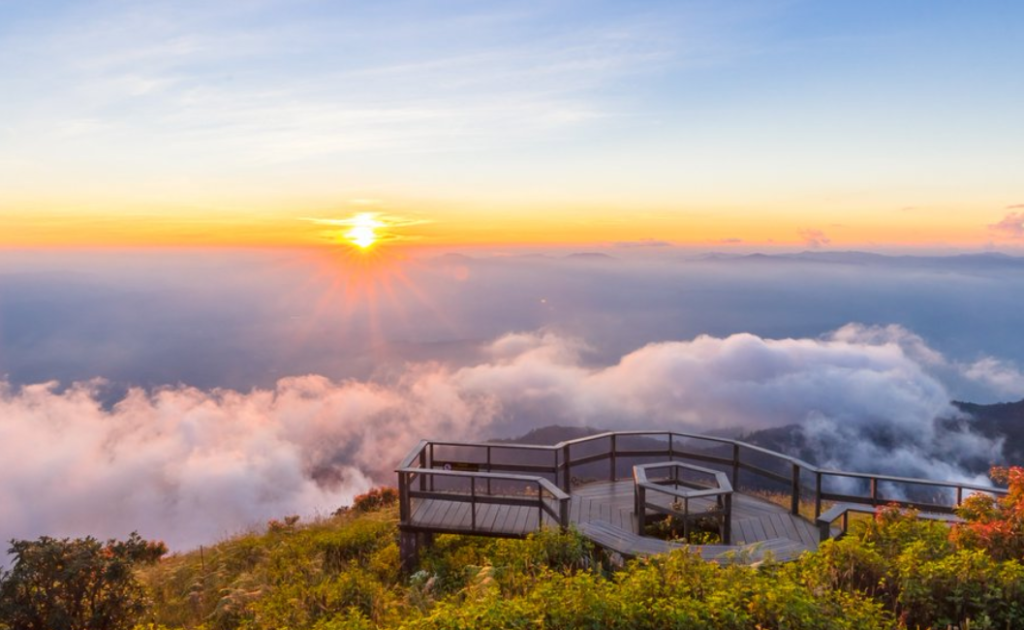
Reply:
x=703 y=531
x=893 y=571
x=678 y=590
x=912 y=569
x=68 y=584
x=288 y=577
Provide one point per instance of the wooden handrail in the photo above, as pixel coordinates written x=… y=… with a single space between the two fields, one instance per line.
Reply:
x=406 y=494
x=406 y=463
x=547 y=485
x=562 y=463
x=842 y=511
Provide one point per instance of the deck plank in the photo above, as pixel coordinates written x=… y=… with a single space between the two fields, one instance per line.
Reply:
x=758 y=530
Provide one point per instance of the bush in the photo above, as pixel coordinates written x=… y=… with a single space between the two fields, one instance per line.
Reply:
x=996 y=525
x=70 y=584
x=375 y=499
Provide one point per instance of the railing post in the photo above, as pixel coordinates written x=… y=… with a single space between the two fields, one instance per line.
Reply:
x=641 y=509
x=686 y=519
x=489 y=470
x=540 y=505
x=727 y=533
x=472 y=503
x=735 y=466
x=959 y=495
x=423 y=465
x=403 y=497
x=817 y=493
x=567 y=470
x=563 y=513
x=874 y=491
x=824 y=531
x=615 y=472
x=794 y=506
x=431 y=463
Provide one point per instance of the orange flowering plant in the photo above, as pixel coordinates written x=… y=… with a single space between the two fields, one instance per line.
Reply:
x=995 y=524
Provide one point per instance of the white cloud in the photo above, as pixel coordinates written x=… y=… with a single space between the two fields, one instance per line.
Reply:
x=998 y=376
x=189 y=465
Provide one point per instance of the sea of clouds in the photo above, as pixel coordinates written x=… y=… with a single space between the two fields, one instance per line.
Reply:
x=190 y=461
x=188 y=466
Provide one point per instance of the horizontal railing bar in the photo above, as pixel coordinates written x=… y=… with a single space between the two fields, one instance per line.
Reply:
x=510 y=467
x=593 y=458
x=911 y=480
x=692 y=515
x=712 y=459
x=686 y=495
x=656 y=465
x=547 y=485
x=665 y=434
x=508 y=445
x=765 y=473
x=465 y=497
x=917 y=505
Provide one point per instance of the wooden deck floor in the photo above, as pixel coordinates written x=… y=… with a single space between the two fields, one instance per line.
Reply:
x=753 y=520
x=456 y=517
x=608 y=507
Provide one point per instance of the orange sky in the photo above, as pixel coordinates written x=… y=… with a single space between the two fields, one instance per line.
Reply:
x=719 y=227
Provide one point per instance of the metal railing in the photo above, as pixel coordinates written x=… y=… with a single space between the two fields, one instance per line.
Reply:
x=483 y=488
x=748 y=466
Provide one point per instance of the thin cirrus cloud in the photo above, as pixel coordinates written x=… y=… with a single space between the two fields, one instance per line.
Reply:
x=199 y=79
x=1012 y=225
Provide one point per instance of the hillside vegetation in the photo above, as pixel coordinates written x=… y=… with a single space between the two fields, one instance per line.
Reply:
x=342 y=572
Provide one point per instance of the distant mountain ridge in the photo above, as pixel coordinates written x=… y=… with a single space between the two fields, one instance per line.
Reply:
x=978 y=260
x=1000 y=420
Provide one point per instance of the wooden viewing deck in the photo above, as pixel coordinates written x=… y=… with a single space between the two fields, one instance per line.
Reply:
x=600 y=484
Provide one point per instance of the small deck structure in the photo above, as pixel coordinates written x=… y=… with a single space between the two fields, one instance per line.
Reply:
x=612 y=485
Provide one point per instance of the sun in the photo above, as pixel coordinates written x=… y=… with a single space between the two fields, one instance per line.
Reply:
x=364 y=230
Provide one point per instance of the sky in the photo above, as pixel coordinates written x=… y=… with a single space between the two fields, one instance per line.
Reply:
x=866 y=125
x=252 y=252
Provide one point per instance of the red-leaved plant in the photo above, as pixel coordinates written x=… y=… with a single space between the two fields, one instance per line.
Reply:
x=994 y=524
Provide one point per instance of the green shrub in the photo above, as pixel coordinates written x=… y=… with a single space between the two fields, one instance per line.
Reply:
x=69 y=584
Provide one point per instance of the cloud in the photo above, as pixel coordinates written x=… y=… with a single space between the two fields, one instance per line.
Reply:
x=1015 y=206
x=997 y=375
x=436 y=83
x=813 y=238
x=190 y=465
x=1011 y=225
x=643 y=242
x=730 y=241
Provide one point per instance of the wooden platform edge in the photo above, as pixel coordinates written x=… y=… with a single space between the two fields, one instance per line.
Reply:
x=632 y=545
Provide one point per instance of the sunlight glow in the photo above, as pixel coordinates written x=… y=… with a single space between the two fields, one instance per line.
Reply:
x=363 y=233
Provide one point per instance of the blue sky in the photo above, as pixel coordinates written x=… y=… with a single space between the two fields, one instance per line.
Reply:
x=705 y=120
